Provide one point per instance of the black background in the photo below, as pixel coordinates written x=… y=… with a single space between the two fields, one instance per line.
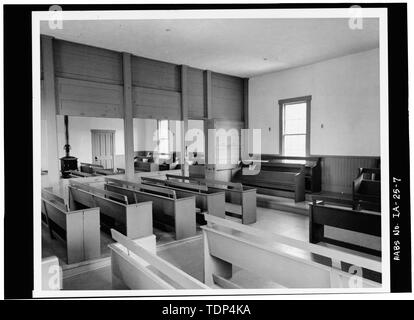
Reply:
x=18 y=155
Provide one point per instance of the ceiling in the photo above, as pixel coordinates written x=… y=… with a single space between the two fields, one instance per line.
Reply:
x=240 y=47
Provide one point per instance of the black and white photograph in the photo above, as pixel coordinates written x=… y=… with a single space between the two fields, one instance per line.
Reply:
x=216 y=152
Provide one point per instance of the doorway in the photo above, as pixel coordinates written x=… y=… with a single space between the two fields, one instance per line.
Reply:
x=103 y=148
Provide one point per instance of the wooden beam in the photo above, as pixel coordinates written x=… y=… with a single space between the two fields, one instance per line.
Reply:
x=128 y=120
x=208 y=107
x=246 y=102
x=184 y=116
x=49 y=105
x=207 y=97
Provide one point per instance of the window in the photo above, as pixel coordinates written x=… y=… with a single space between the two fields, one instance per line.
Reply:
x=163 y=132
x=294 y=126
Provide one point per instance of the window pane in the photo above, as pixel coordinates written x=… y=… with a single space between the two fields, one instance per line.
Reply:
x=163 y=129
x=295 y=118
x=163 y=146
x=295 y=145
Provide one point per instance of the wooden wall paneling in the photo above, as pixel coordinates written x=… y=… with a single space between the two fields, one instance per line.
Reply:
x=49 y=105
x=184 y=115
x=89 y=99
x=82 y=62
x=195 y=93
x=339 y=172
x=156 y=104
x=155 y=74
x=128 y=120
x=227 y=97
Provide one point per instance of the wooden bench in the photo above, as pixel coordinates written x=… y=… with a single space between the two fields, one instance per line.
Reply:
x=171 y=210
x=78 y=228
x=76 y=174
x=207 y=200
x=52 y=278
x=241 y=200
x=133 y=219
x=104 y=172
x=89 y=167
x=135 y=265
x=367 y=187
x=276 y=258
x=276 y=183
x=321 y=215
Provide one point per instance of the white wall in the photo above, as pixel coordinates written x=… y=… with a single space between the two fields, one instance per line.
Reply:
x=80 y=138
x=345 y=99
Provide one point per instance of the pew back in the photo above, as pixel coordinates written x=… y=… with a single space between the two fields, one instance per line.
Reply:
x=240 y=199
x=169 y=208
x=136 y=217
x=79 y=229
x=264 y=254
x=139 y=268
x=207 y=200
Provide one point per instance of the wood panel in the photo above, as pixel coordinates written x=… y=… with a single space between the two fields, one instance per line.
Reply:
x=338 y=173
x=89 y=99
x=195 y=92
x=155 y=74
x=82 y=62
x=156 y=104
x=227 y=97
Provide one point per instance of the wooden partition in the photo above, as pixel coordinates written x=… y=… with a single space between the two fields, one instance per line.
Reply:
x=78 y=228
x=171 y=210
x=207 y=200
x=133 y=219
x=240 y=200
x=143 y=269
x=265 y=254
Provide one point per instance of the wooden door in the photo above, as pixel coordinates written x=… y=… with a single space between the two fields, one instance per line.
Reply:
x=103 y=148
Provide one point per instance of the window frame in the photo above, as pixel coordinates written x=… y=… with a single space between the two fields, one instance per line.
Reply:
x=282 y=104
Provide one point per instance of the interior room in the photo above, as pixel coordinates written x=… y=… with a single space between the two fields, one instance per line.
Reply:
x=210 y=154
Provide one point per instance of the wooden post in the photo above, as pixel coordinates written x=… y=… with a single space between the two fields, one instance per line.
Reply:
x=184 y=117
x=207 y=113
x=128 y=119
x=49 y=105
x=246 y=102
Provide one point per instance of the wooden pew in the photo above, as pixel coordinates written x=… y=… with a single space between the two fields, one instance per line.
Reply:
x=76 y=174
x=242 y=199
x=89 y=167
x=267 y=254
x=367 y=187
x=321 y=215
x=135 y=220
x=52 y=278
x=170 y=210
x=135 y=265
x=79 y=228
x=105 y=172
x=277 y=183
x=207 y=200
